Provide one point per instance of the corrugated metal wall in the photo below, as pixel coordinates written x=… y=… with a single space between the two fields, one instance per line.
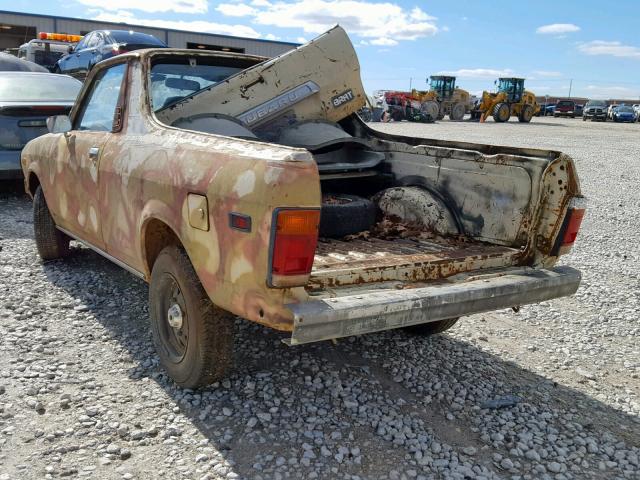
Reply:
x=173 y=38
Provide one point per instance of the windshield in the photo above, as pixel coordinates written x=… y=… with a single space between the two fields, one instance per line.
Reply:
x=38 y=88
x=565 y=104
x=625 y=109
x=171 y=82
x=595 y=104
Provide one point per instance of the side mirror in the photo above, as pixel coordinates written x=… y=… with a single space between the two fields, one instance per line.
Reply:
x=70 y=49
x=59 y=124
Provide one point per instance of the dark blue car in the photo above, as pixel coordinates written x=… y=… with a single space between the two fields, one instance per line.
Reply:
x=624 y=114
x=100 y=45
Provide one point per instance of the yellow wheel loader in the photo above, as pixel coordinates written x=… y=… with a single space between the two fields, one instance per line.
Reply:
x=444 y=98
x=510 y=99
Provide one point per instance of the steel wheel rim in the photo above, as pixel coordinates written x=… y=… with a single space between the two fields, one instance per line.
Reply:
x=174 y=324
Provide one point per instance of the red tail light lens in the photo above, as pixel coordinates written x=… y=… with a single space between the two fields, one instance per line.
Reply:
x=293 y=246
x=573 y=226
x=570 y=229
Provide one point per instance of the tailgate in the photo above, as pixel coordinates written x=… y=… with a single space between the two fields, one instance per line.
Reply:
x=373 y=308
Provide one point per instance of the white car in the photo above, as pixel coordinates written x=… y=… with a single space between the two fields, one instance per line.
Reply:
x=611 y=110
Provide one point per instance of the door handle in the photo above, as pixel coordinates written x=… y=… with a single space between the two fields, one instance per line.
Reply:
x=94 y=152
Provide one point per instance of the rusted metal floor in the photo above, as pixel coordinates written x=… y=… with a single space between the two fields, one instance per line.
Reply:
x=357 y=261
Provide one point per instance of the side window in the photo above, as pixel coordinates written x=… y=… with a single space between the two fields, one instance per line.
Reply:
x=84 y=42
x=93 y=41
x=98 y=40
x=99 y=107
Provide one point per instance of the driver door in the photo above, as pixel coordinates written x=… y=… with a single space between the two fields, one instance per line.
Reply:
x=93 y=127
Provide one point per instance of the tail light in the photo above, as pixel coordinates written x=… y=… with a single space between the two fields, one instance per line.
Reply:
x=293 y=246
x=570 y=227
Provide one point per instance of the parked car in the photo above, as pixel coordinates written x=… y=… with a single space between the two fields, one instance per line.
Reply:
x=624 y=113
x=209 y=177
x=595 y=110
x=565 y=108
x=579 y=109
x=100 y=45
x=26 y=100
x=549 y=109
x=636 y=108
x=610 y=110
x=10 y=63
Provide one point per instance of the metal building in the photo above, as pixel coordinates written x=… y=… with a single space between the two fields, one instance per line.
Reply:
x=18 y=28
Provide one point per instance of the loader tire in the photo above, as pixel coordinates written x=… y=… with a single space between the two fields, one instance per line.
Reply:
x=193 y=337
x=343 y=215
x=430 y=108
x=457 y=112
x=501 y=112
x=526 y=114
x=432 y=328
x=50 y=242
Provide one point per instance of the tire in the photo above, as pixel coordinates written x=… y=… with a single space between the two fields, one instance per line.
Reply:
x=584 y=119
x=200 y=350
x=432 y=328
x=526 y=114
x=457 y=112
x=501 y=112
x=50 y=242
x=431 y=108
x=351 y=215
x=397 y=115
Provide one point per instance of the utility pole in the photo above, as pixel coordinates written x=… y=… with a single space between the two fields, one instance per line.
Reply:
x=410 y=83
x=570 y=85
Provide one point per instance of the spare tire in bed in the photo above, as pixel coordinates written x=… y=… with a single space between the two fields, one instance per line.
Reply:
x=344 y=214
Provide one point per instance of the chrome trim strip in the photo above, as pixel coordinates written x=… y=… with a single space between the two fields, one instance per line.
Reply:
x=278 y=104
x=104 y=254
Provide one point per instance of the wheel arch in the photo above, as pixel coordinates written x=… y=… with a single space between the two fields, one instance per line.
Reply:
x=32 y=182
x=156 y=233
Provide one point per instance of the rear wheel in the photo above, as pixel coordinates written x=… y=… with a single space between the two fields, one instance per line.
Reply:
x=432 y=328
x=50 y=242
x=526 y=114
x=501 y=112
x=457 y=112
x=193 y=337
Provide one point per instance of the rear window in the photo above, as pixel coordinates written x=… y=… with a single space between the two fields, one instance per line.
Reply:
x=136 y=38
x=179 y=78
x=38 y=88
x=565 y=103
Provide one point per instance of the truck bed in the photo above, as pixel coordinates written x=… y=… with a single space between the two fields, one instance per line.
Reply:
x=349 y=262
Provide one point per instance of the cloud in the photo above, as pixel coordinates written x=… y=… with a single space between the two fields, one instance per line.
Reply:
x=546 y=73
x=557 y=29
x=180 y=6
x=611 y=91
x=235 y=9
x=479 y=73
x=387 y=23
x=384 y=41
x=615 y=49
x=192 y=26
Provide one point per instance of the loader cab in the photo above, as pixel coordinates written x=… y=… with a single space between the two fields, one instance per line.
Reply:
x=513 y=87
x=442 y=85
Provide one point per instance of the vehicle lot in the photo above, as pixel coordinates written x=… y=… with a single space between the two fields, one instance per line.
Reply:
x=81 y=393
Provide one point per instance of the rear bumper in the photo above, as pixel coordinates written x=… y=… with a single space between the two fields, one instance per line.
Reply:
x=10 y=167
x=374 y=311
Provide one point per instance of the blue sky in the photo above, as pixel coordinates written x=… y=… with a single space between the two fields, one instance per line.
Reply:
x=595 y=44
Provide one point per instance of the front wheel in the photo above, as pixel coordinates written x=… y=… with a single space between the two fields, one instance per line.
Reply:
x=526 y=114
x=193 y=337
x=432 y=328
x=50 y=242
x=501 y=112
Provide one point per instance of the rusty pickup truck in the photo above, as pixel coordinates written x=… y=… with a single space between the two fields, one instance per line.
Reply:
x=242 y=186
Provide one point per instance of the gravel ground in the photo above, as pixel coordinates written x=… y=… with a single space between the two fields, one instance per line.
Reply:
x=82 y=395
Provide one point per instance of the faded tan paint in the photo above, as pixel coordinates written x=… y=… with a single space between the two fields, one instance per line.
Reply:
x=134 y=197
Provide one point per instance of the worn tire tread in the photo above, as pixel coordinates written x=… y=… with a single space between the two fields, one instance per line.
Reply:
x=215 y=330
x=432 y=328
x=50 y=242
